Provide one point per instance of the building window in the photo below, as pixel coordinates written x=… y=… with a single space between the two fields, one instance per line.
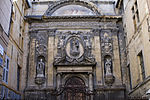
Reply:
x=135 y=13
x=19 y=40
x=18 y=77
x=1 y=61
x=141 y=62
x=11 y=51
x=22 y=43
x=135 y=24
x=4 y=93
x=1 y=50
x=129 y=76
x=6 y=70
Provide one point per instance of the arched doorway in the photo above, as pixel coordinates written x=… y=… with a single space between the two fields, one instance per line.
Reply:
x=75 y=89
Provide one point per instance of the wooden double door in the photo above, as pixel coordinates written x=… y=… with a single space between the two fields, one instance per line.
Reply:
x=75 y=89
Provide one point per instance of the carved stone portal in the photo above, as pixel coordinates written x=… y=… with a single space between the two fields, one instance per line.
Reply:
x=74 y=48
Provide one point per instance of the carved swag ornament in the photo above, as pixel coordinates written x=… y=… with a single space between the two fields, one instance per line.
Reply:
x=74 y=48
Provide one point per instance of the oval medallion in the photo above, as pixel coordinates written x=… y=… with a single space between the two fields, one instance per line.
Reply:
x=74 y=47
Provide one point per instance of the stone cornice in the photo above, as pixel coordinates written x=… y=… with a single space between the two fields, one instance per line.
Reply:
x=105 y=88
x=139 y=85
x=47 y=2
x=71 y=18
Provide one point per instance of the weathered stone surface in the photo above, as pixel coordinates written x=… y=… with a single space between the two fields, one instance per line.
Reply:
x=77 y=47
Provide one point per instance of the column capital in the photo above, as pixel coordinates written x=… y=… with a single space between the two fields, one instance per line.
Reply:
x=59 y=73
x=89 y=73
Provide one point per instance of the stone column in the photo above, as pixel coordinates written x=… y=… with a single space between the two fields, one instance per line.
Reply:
x=91 y=84
x=116 y=59
x=58 y=85
x=32 y=63
x=58 y=81
x=50 y=68
x=91 y=81
x=97 y=53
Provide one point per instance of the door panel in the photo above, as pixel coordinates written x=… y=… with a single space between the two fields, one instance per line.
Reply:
x=74 y=89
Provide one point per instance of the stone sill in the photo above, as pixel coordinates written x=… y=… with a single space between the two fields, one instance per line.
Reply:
x=4 y=84
x=140 y=85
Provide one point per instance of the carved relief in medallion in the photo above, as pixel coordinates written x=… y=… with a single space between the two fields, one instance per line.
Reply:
x=74 y=48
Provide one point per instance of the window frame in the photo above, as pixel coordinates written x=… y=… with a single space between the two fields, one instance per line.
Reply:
x=6 y=70
x=141 y=64
x=129 y=75
x=135 y=16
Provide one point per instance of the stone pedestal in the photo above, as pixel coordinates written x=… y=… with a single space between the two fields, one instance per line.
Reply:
x=109 y=79
x=40 y=80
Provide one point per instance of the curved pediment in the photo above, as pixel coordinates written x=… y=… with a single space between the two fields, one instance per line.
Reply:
x=72 y=8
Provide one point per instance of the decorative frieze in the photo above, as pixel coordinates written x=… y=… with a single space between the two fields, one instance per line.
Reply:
x=81 y=24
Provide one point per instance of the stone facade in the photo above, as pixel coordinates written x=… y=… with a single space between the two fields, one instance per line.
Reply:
x=11 y=38
x=137 y=44
x=5 y=17
x=78 y=48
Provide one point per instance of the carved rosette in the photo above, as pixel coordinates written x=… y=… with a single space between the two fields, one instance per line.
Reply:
x=74 y=48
